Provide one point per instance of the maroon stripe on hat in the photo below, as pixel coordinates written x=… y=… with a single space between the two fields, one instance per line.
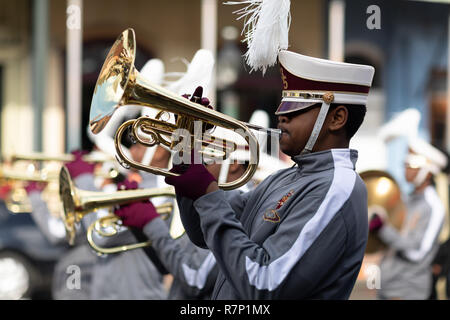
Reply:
x=292 y=82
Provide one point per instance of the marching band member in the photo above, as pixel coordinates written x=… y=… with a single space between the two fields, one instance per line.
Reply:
x=302 y=232
x=80 y=255
x=145 y=280
x=50 y=226
x=406 y=265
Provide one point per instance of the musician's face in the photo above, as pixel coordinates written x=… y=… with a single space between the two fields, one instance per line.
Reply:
x=410 y=173
x=296 y=128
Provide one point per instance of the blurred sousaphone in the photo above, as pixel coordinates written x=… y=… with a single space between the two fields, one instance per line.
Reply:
x=385 y=199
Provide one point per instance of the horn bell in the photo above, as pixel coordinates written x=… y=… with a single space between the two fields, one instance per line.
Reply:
x=384 y=198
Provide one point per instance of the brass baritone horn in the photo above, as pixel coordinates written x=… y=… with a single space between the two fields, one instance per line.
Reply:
x=90 y=158
x=384 y=198
x=120 y=84
x=77 y=203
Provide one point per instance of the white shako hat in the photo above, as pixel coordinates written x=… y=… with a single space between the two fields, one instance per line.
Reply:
x=403 y=124
x=308 y=81
x=425 y=157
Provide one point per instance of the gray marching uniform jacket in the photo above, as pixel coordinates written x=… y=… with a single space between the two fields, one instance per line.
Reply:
x=77 y=261
x=406 y=266
x=300 y=234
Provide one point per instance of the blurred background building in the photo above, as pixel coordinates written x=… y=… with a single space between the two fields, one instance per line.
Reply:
x=51 y=52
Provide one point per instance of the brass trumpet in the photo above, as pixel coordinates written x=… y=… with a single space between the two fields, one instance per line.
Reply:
x=112 y=225
x=120 y=84
x=43 y=157
x=77 y=203
x=384 y=199
x=17 y=200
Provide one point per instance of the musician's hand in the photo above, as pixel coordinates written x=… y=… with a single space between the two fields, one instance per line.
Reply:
x=78 y=167
x=436 y=269
x=375 y=223
x=195 y=180
x=33 y=186
x=197 y=97
x=136 y=214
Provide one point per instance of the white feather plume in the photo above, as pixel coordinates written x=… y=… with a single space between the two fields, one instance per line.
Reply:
x=266 y=28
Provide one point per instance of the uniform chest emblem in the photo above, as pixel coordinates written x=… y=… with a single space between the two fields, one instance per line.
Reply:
x=271 y=215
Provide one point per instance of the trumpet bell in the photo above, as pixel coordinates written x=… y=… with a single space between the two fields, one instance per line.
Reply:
x=384 y=198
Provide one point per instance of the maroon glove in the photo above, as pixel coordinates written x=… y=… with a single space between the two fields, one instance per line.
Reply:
x=375 y=223
x=197 y=98
x=78 y=167
x=5 y=191
x=34 y=186
x=127 y=185
x=193 y=181
x=136 y=214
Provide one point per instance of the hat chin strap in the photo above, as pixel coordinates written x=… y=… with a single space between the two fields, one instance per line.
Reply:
x=317 y=127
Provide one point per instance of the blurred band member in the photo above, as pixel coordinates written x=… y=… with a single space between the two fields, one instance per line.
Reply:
x=80 y=259
x=143 y=281
x=406 y=266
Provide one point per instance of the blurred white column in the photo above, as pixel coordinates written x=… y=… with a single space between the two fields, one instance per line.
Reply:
x=39 y=75
x=209 y=39
x=74 y=24
x=336 y=30
x=53 y=130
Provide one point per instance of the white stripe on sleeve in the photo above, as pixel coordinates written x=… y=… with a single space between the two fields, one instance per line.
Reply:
x=197 y=277
x=433 y=228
